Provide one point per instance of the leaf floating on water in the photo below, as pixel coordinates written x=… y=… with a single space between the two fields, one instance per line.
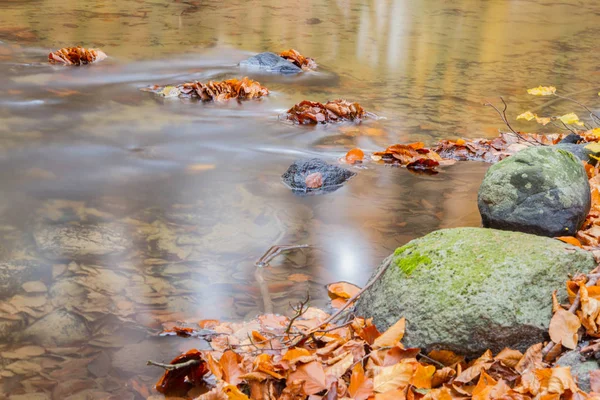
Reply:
x=293 y=56
x=241 y=89
x=344 y=290
x=312 y=112
x=76 y=56
x=542 y=91
x=354 y=155
x=571 y=119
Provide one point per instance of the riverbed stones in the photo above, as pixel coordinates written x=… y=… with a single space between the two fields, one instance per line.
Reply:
x=271 y=62
x=473 y=289
x=59 y=328
x=580 y=367
x=331 y=176
x=79 y=241
x=14 y=274
x=540 y=190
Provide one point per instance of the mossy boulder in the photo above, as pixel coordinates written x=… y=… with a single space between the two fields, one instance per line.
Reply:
x=539 y=190
x=472 y=289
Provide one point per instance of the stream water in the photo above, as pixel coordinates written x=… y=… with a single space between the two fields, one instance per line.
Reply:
x=121 y=211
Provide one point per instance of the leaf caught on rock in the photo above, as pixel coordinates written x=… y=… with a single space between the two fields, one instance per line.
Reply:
x=344 y=290
x=240 y=89
x=312 y=112
x=306 y=63
x=354 y=155
x=76 y=56
x=563 y=328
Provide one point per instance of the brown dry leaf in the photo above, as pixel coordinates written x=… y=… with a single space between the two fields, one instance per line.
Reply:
x=76 y=56
x=590 y=310
x=532 y=359
x=595 y=381
x=393 y=377
x=446 y=357
x=313 y=376
x=422 y=376
x=306 y=63
x=230 y=364
x=563 y=328
x=360 y=387
x=314 y=180
x=24 y=352
x=391 y=395
x=312 y=112
x=561 y=380
x=264 y=363
x=442 y=376
x=509 y=357
x=392 y=336
x=339 y=368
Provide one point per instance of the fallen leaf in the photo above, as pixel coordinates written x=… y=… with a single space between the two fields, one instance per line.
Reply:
x=563 y=328
x=311 y=112
x=306 y=63
x=313 y=376
x=393 y=377
x=392 y=336
x=542 y=91
x=76 y=56
x=354 y=155
x=570 y=240
x=360 y=387
x=314 y=180
x=342 y=289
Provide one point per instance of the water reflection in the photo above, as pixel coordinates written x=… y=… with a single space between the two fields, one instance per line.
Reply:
x=122 y=212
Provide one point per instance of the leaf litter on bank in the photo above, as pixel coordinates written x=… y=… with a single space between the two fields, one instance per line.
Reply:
x=240 y=89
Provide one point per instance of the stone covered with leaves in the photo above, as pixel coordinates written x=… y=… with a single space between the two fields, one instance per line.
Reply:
x=539 y=190
x=472 y=289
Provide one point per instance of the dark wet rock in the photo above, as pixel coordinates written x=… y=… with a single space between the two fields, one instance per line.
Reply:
x=271 y=62
x=473 y=289
x=539 y=190
x=76 y=240
x=571 y=138
x=581 y=151
x=58 y=328
x=14 y=273
x=332 y=176
x=580 y=367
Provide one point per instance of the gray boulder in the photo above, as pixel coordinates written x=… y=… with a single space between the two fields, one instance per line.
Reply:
x=580 y=367
x=333 y=176
x=539 y=190
x=582 y=151
x=470 y=289
x=271 y=62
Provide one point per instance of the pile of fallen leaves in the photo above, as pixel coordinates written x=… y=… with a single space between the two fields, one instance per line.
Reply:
x=275 y=357
x=76 y=56
x=312 y=112
x=306 y=63
x=241 y=89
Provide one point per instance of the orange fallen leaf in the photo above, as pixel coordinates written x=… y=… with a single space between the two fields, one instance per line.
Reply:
x=313 y=376
x=76 y=56
x=360 y=387
x=570 y=240
x=422 y=376
x=392 y=336
x=563 y=328
x=355 y=155
x=342 y=289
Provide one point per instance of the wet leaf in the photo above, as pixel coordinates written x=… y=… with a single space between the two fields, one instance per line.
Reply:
x=354 y=155
x=314 y=180
x=311 y=112
x=306 y=63
x=570 y=240
x=241 y=89
x=344 y=290
x=76 y=56
x=570 y=119
x=542 y=91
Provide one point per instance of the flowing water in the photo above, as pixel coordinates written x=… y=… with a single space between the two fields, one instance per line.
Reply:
x=121 y=211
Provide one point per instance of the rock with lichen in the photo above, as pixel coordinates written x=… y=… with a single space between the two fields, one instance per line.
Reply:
x=473 y=289
x=540 y=190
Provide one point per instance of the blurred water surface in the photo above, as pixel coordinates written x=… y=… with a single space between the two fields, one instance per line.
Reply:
x=121 y=211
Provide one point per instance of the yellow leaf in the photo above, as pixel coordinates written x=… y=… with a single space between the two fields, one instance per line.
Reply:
x=563 y=328
x=169 y=91
x=394 y=377
x=594 y=147
x=570 y=118
x=233 y=393
x=423 y=376
x=542 y=120
x=392 y=336
x=596 y=132
x=542 y=91
x=527 y=115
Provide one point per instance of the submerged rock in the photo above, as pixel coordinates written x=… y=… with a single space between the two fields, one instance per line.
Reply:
x=77 y=240
x=271 y=62
x=580 y=367
x=539 y=190
x=59 y=328
x=15 y=273
x=473 y=289
x=315 y=175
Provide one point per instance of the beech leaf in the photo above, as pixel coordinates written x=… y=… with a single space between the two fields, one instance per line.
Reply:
x=563 y=328
x=392 y=336
x=542 y=91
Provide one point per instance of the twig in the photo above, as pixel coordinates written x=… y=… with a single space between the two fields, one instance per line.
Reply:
x=171 y=367
x=550 y=346
x=502 y=115
x=276 y=250
x=299 y=309
x=431 y=360
x=593 y=116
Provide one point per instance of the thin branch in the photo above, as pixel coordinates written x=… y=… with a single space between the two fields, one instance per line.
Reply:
x=593 y=116
x=299 y=309
x=273 y=251
x=502 y=115
x=171 y=367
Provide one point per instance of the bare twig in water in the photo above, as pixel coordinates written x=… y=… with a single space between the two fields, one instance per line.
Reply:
x=593 y=279
x=170 y=367
x=502 y=115
x=593 y=115
x=274 y=251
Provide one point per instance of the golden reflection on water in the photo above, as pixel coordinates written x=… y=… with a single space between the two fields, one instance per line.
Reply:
x=122 y=212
